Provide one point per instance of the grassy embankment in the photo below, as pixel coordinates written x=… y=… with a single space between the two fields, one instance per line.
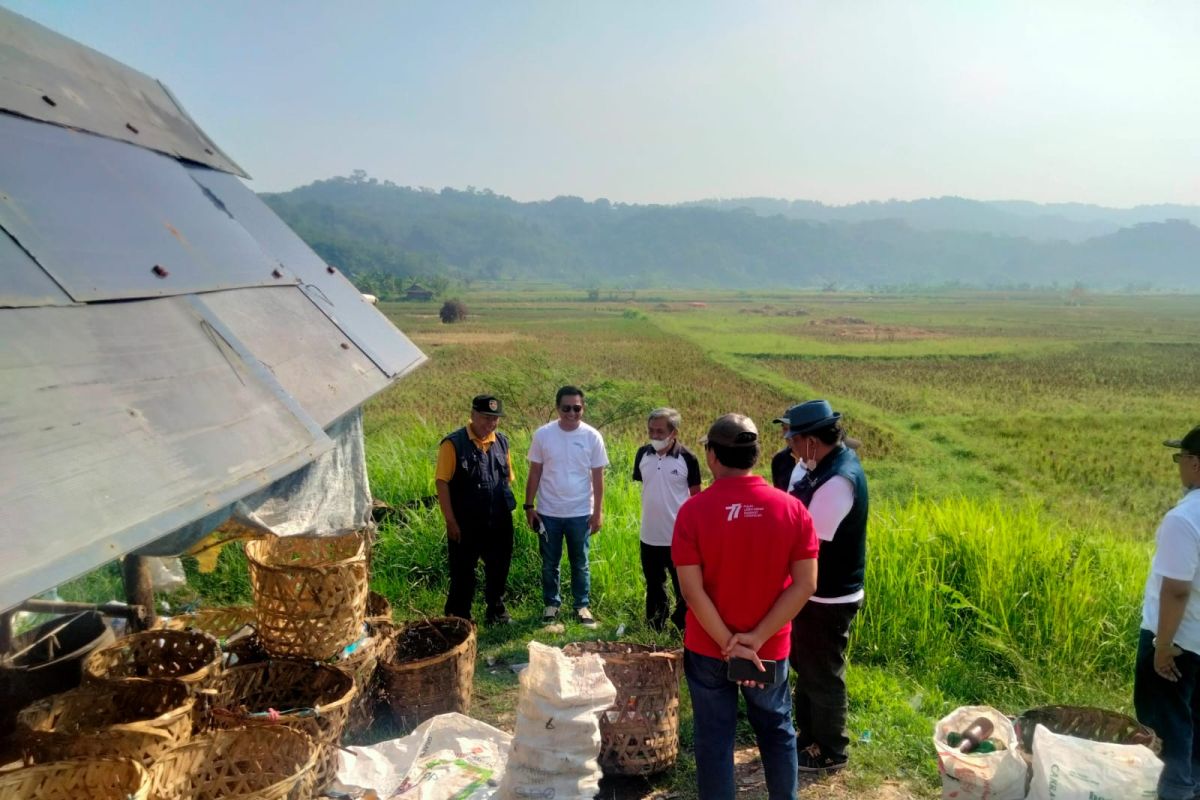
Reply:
x=1012 y=445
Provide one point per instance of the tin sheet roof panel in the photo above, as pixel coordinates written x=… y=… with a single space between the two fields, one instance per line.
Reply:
x=310 y=356
x=100 y=216
x=329 y=290
x=48 y=77
x=22 y=281
x=122 y=422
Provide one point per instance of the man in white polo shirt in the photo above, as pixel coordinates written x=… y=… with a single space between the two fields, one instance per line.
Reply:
x=669 y=474
x=564 y=500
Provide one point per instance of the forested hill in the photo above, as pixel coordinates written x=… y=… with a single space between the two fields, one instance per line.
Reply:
x=365 y=226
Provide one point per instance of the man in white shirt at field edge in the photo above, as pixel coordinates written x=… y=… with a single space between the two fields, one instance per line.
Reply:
x=1166 y=678
x=563 y=499
x=669 y=474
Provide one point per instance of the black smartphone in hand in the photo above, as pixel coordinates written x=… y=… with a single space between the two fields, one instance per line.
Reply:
x=743 y=669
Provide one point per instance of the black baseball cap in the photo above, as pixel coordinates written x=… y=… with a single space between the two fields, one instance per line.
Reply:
x=487 y=404
x=1189 y=443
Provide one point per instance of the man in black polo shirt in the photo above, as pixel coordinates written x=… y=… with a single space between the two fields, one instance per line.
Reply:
x=834 y=490
x=474 y=477
x=669 y=474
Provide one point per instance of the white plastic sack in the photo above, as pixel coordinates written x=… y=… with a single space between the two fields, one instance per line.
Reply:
x=1070 y=768
x=557 y=741
x=970 y=776
x=447 y=757
x=166 y=574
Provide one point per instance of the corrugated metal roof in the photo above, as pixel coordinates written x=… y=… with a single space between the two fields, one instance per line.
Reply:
x=126 y=415
x=46 y=76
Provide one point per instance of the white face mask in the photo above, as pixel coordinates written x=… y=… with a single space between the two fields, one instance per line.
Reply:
x=660 y=444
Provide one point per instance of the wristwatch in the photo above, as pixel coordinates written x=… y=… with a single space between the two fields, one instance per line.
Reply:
x=528 y=506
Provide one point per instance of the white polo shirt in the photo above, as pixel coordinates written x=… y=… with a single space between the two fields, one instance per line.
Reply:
x=666 y=480
x=567 y=459
x=1177 y=556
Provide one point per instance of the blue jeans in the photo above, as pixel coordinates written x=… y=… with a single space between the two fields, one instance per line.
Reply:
x=714 y=717
x=1173 y=711
x=575 y=531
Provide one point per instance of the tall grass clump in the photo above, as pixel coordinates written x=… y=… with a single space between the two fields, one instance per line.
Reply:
x=990 y=603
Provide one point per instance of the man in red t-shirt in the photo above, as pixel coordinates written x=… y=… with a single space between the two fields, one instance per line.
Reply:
x=746 y=556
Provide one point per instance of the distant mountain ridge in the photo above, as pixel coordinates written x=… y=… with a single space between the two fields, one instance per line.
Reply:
x=371 y=227
x=1072 y=222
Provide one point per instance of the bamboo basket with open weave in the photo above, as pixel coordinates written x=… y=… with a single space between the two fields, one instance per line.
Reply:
x=310 y=592
x=428 y=668
x=304 y=695
x=134 y=719
x=221 y=623
x=639 y=732
x=75 y=780
x=258 y=763
x=191 y=657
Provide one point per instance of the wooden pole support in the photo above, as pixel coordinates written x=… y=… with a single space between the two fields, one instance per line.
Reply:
x=139 y=591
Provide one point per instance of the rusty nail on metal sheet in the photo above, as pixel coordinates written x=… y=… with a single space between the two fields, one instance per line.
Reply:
x=276 y=273
x=345 y=346
x=330 y=270
x=49 y=100
x=130 y=127
x=159 y=271
x=210 y=152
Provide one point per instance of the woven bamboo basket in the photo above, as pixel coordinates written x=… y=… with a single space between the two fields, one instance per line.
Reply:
x=221 y=623
x=76 y=780
x=309 y=697
x=310 y=593
x=135 y=719
x=639 y=732
x=259 y=763
x=1097 y=724
x=378 y=608
x=362 y=666
x=191 y=657
x=428 y=668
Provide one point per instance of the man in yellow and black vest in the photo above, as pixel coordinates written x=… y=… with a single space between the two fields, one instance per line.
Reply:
x=474 y=487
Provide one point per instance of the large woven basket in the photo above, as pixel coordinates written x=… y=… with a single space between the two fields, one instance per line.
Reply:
x=191 y=657
x=362 y=666
x=224 y=622
x=310 y=593
x=259 y=763
x=639 y=732
x=77 y=780
x=135 y=719
x=1097 y=724
x=428 y=668
x=309 y=697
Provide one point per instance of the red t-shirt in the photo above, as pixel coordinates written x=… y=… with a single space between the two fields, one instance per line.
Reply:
x=744 y=534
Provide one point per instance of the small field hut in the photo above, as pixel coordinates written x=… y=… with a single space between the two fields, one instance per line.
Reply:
x=171 y=354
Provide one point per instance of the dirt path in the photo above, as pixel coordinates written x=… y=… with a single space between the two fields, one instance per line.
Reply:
x=750 y=786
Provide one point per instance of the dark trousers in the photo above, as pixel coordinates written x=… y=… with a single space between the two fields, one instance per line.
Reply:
x=656 y=567
x=492 y=542
x=1172 y=709
x=820 y=635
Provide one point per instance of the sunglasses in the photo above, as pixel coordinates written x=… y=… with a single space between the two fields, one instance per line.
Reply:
x=569 y=409
x=1177 y=457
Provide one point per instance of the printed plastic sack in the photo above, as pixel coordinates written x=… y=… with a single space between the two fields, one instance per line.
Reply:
x=976 y=776
x=1069 y=768
x=448 y=757
x=557 y=737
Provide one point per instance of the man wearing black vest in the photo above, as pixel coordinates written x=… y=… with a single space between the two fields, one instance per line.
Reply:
x=834 y=489
x=474 y=477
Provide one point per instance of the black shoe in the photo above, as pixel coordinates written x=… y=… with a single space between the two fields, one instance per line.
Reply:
x=499 y=618
x=813 y=761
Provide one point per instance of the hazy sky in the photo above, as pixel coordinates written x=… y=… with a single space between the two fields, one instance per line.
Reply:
x=840 y=100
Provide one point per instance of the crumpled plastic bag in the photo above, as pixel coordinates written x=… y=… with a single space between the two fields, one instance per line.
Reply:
x=1070 y=768
x=976 y=776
